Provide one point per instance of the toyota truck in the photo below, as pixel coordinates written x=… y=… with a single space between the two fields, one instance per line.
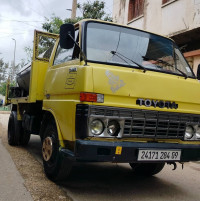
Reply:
x=104 y=92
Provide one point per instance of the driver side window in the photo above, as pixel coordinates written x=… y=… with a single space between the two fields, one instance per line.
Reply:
x=64 y=55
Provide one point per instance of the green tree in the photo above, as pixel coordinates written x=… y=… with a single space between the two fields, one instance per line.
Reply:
x=94 y=10
x=3 y=70
x=4 y=73
x=53 y=24
x=3 y=87
x=29 y=54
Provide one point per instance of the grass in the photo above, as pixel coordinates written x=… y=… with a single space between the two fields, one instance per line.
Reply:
x=5 y=108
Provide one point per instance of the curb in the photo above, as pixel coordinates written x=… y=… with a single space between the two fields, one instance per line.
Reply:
x=4 y=112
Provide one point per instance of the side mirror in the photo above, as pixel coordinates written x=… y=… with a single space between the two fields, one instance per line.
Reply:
x=66 y=41
x=198 y=72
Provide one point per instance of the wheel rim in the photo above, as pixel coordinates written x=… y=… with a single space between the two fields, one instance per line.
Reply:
x=47 y=148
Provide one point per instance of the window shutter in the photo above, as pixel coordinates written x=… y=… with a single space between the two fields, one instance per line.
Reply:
x=165 y=1
x=136 y=8
x=130 y=11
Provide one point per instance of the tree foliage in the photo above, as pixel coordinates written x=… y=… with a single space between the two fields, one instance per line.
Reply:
x=7 y=71
x=29 y=54
x=94 y=10
x=3 y=87
x=3 y=70
x=53 y=24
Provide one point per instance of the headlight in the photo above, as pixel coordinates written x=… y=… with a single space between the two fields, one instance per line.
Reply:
x=189 y=132
x=113 y=128
x=198 y=132
x=96 y=127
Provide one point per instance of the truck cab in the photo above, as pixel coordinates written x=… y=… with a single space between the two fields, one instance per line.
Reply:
x=108 y=93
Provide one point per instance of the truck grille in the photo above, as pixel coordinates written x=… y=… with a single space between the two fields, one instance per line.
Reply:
x=148 y=123
x=156 y=125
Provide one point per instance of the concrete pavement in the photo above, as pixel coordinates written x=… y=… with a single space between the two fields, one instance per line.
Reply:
x=100 y=181
x=11 y=182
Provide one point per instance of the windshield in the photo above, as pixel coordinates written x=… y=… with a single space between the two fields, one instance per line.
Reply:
x=148 y=50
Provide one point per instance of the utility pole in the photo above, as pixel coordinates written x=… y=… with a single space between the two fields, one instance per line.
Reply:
x=74 y=7
x=14 y=52
x=13 y=70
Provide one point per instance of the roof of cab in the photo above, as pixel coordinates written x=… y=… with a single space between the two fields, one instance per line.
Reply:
x=108 y=22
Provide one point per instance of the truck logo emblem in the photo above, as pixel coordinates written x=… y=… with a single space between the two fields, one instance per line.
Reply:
x=156 y=103
x=71 y=78
x=73 y=69
x=114 y=81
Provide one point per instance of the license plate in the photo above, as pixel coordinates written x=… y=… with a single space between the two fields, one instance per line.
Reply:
x=159 y=155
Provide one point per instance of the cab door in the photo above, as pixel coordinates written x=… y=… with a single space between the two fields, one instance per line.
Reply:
x=42 y=49
x=61 y=85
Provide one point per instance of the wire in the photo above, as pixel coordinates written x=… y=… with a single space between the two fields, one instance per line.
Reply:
x=30 y=8
x=27 y=29
x=108 y=8
x=44 y=6
x=24 y=22
x=47 y=3
x=13 y=35
x=5 y=33
x=20 y=20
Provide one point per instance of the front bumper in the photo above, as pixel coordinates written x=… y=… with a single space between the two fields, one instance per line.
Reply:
x=103 y=151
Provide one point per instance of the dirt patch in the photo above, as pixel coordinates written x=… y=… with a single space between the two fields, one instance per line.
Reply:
x=31 y=170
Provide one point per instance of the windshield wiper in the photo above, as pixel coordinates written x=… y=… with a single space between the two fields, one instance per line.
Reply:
x=164 y=62
x=122 y=59
x=184 y=74
x=121 y=55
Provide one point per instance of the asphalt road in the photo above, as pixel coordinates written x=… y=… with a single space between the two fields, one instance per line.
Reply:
x=107 y=181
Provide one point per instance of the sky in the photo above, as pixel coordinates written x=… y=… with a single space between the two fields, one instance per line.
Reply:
x=19 y=19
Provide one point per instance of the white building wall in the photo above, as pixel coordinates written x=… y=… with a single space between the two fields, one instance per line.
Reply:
x=175 y=17
x=119 y=14
x=153 y=20
x=139 y=23
x=196 y=14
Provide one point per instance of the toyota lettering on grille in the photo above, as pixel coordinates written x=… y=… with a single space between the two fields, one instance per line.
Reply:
x=156 y=103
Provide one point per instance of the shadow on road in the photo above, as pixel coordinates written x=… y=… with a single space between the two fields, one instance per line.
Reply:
x=35 y=147
x=107 y=181
x=116 y=182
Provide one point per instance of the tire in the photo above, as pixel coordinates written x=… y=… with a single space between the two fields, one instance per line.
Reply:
x=146 y=169
x=56 y=166
x=14 y=129
x=24 y=138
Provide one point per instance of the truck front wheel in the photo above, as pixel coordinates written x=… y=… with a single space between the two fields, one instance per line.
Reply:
x=147 y=169
x=56 y=167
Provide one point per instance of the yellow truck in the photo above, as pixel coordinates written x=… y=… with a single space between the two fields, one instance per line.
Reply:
x=103 y=92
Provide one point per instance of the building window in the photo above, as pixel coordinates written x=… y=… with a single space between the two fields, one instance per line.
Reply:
x=165 y=1
x=136 y=9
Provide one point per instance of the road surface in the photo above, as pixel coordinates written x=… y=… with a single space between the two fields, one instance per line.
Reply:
x=105 y=181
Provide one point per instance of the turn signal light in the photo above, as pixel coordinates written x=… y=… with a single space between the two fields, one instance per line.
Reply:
x=91 y=97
